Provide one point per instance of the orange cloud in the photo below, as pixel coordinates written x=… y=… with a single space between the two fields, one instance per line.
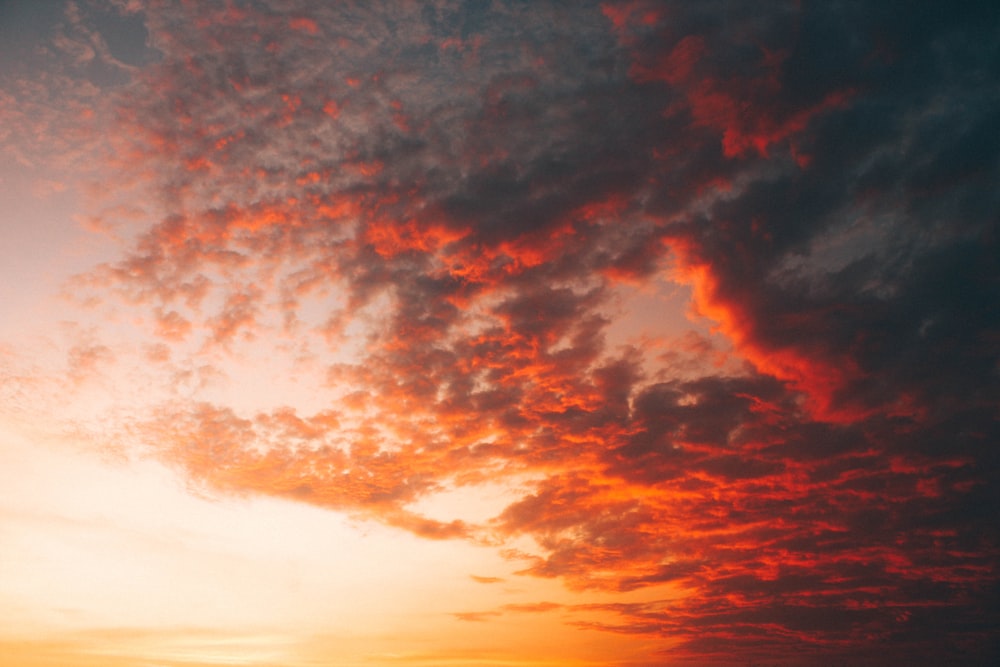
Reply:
x=444 y=240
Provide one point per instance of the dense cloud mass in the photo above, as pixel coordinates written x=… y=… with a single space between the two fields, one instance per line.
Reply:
x=450 y=195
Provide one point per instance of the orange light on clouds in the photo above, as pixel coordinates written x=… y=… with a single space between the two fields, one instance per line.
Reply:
x=192 y=580
x=380 y=334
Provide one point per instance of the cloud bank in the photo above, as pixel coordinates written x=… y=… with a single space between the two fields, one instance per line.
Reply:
x=445 y=199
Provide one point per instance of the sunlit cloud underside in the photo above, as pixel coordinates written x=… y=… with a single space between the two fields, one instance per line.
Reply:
x=498 y=333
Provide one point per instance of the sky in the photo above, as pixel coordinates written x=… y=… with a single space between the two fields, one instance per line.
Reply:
x=496 y=333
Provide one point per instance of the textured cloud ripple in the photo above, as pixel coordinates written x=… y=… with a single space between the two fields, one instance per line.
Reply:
x=437 y=207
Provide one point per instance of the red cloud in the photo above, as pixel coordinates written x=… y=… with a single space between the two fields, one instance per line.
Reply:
x=306 y=25
x=824 y=496
x=821 y=380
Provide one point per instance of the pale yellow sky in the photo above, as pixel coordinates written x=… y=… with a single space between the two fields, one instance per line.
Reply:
x=109 y=557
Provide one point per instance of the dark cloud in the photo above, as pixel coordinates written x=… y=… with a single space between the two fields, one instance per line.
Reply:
x=474 y=180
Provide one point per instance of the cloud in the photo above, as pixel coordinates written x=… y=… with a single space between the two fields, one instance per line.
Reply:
x=475 y=616
x=532 y=607
x=462 y=188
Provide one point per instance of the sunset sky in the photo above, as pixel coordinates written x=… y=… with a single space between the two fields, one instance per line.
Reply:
x=497 y=333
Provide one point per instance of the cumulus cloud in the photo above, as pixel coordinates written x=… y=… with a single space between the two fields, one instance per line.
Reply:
x=464 y=186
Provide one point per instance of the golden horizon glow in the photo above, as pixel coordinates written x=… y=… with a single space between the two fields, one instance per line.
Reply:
x=134 y=567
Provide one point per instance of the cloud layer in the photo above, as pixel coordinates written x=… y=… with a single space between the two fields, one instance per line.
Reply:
x=448 y=197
